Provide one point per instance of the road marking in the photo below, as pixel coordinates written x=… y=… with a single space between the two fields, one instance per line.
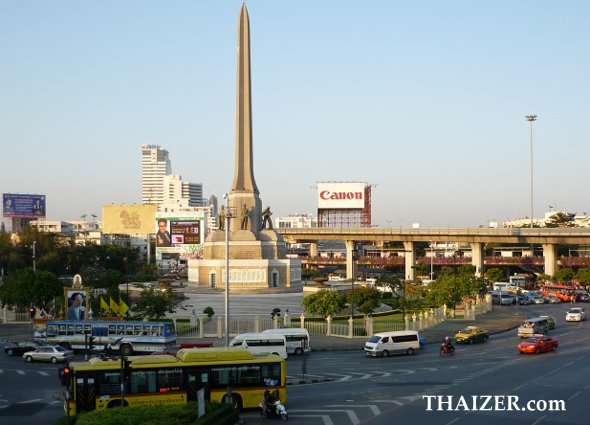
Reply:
x=35 y=400
x=351 y=413
x=373 y=408
x=20 y=372
x=553 y=371
x=364 y=375
x=453 y=421
x=539 y=420
x=326 y=418
x=520 y=387
x=42 y=373
x=569 y=363
x=575 y=395
x=399 y=403
x=344 y=377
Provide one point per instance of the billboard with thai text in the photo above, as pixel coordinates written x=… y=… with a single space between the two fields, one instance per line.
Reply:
x=128 y=219
x=22 y=205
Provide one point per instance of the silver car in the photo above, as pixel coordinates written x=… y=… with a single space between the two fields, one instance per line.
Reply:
x=49 y=354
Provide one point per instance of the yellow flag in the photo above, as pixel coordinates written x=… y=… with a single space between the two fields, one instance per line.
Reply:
x=114 y=305
x=122 y=307
x=104 y=305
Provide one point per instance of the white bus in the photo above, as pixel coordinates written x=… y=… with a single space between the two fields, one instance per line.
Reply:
x=297 y=339
x=262 y=343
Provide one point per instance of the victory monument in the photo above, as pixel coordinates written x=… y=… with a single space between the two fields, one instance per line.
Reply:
x=257 y=253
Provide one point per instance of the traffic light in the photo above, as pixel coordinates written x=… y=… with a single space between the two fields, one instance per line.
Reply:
x=65 y=376
x=32 y=312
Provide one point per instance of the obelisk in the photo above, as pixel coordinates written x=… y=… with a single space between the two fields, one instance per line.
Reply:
x=244 y=191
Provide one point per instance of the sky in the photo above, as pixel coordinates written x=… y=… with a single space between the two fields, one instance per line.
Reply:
x=425 y=100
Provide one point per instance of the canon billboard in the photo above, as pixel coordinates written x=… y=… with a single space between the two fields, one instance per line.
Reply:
x=341 y=196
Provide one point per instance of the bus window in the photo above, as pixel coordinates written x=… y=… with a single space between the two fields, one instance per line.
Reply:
x=87 y=329
x=248 y=375
x=129 y=330
x=146 y=330
x=137 y=330
x=143 y=381
x=110 y=383
x=224 y=375
x=79 y=330
x=156 y=331
x=120 y=330
x=70 y=329
x=169 y=380
x=112 y=330
x=271 y=373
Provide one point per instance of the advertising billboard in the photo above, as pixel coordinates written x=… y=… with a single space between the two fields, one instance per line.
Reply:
x=128 y=219
x=23 y=205
x=179 y=237
x=341 y=196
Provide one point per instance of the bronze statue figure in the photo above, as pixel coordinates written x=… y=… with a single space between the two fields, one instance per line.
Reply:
x=245 y=217
x=221 y=218
x=266 y=218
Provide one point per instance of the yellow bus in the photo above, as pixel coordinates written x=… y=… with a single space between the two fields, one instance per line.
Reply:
x=171 y=380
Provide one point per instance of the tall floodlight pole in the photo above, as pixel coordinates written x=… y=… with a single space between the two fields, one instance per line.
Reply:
x=226 y=269
x=530 y=118
x=34 y=260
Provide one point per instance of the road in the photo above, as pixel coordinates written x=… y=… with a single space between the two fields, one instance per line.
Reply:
x=390 y=390
x=366 y=390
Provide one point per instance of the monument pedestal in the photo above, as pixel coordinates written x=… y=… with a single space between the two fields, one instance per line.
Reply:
x=254 y=262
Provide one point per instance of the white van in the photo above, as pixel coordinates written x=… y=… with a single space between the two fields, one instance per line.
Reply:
x=262 y=343
x=297 y=339
x=386 y=343
x=535 y=325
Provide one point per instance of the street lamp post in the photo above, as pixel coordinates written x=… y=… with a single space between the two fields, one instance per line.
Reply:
x=530 y=118
x=34 y=261
x=431 y=261
x=226 y=299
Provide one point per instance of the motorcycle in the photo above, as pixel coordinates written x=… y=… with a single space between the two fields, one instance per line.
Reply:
x=277 y=410
x=446 y=350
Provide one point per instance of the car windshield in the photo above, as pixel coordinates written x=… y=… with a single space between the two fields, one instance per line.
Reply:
x=575 y=310
x=60 y=348
x=532 y=340
x=467 y=331
x=374 y=338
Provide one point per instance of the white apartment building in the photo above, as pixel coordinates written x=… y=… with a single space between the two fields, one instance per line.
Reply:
x=159 y=186
x=296 y=221
x=155 y=165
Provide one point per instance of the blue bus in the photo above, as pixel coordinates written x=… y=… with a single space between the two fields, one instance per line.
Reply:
x=126 y=337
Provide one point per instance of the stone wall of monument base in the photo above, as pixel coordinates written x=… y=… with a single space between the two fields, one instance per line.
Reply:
x=201 y=276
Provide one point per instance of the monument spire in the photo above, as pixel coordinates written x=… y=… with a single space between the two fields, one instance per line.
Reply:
x=244 y=171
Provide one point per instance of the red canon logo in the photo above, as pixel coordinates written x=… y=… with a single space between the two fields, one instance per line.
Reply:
x=326 y=195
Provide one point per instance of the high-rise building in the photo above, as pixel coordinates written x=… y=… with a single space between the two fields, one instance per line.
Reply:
x=160 y=187
x=155 y=165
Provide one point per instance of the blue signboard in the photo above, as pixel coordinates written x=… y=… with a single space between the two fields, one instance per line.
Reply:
x=23 y=205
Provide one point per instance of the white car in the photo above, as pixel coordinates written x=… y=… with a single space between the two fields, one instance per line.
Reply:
x=575 y=314
x=49 y=353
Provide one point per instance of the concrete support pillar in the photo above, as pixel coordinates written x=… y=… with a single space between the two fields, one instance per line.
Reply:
x=478 y=257
x=329 y=325
x=201 y=327
x=302 y=320
x=350 y=327
x=550 y=255
x=369 y=326
x=256 y=323
x=313 y=249
x=350 y=262
x=410 y=257
x=406 y=323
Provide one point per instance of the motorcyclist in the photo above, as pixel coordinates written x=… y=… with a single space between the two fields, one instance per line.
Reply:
x=447 y=345
x=269 y=400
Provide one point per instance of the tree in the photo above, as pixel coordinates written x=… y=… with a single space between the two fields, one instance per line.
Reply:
x=561 y=219
x=494 y=274
x=583 y=276
x=209 y=312
x=154 y=304
x=26 y=287
x=564 y=275
x=392 y=283
x=276 y=312
x=323 y=303
x=365 y=298
x=455 y=284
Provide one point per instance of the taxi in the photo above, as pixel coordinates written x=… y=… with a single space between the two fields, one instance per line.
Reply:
x=471 y=334
x=537 y=344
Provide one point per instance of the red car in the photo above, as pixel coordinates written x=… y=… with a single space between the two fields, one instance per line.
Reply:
x=537 y=344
